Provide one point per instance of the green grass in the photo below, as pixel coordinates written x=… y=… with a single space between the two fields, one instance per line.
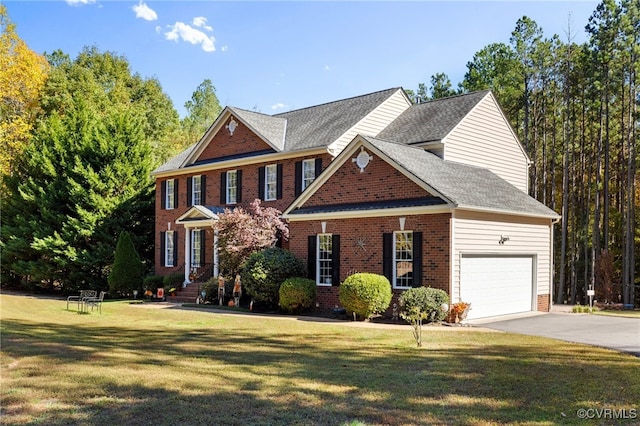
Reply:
x=135 y=364
x=615 y=313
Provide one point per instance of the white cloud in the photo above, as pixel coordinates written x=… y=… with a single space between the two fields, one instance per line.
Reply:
x=224 y=48
x=201 y=22
x=279 y=105
x=187 y=33
x=79 y=2
x=145 y=12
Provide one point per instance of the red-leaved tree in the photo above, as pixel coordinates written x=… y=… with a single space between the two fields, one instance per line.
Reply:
x=242 y=232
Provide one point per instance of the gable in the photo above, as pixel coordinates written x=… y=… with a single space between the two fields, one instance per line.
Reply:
x=223 y=145
x=484 y=138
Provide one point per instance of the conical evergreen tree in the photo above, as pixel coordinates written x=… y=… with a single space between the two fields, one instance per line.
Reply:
x=126 y=274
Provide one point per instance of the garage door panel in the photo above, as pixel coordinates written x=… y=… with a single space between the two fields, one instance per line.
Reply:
x=496 y=285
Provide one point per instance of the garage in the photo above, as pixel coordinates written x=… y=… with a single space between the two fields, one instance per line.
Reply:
x=497 y=285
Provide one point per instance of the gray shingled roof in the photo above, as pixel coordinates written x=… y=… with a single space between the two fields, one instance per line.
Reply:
x=176 y=161
x=269 y=127
x=431 y=121
x=463 y=185
x=320 y=125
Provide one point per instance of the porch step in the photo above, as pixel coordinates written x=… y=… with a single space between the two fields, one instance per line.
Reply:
x=188 y=294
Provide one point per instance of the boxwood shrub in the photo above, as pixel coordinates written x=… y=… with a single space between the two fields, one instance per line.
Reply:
x=265 y=270
x=365 y=294
x=425 y=302
x=297 y=294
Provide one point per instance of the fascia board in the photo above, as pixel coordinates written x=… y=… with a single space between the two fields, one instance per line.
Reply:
x=404 y=211
x=509 y=212
x=266 y=158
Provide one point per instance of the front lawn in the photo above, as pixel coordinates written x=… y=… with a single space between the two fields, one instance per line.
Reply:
x=137 y=364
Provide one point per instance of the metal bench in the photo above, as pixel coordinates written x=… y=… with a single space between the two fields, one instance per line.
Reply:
x=79 y=300
x=94 y=302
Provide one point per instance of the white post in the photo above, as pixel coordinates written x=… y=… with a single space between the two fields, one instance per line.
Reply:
x=216 y=259
x=187 y=255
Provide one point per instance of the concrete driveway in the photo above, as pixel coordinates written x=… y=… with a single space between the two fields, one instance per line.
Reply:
x=619 y=333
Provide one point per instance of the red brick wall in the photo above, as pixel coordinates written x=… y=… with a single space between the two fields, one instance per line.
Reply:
x=378 y=182
x=242 y=141
x=543 y=303
x=435 y=257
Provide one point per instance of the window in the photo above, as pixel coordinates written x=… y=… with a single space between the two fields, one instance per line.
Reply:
x=196 y=190
x=308 y=172
x=196 y=248
x=403 y=259
x=169 y=248
x=324 y=259
x=170 y=194
x=271 y=182
x=232 y=187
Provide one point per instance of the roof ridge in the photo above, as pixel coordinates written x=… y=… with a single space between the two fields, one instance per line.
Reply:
x=338 y=100
x=459 y=95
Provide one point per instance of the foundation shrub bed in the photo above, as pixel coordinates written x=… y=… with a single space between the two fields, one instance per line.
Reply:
x=297 y=294
x=365 y=294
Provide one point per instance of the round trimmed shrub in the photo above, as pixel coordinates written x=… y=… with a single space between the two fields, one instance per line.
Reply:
x=265 y=270
x=423 y=302
x=365 y=294
x=297 y=294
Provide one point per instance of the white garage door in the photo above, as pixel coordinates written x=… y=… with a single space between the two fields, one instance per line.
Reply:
x=496 y=285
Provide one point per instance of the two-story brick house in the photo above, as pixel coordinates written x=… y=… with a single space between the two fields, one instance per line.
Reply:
x=432 y=194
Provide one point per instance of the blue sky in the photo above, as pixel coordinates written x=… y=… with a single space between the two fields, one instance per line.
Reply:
x=278 y=56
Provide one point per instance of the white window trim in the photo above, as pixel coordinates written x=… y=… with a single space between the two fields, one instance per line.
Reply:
x=229 y=187
x=309 y=164
x=170 y=195
x=395 y=272
x=274 y=173
x=169 y=251
x=318 y=260
x=196 y=237
x=198 y=191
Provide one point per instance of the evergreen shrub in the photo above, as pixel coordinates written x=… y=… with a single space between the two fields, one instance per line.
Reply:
x=297 y=294
x=425 y=302
x=365 y=294
x=126 y=273
x=265 y=270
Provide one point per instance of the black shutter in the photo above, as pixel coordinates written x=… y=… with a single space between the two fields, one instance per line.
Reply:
x=298 y=178
x=239 y=186
x=318 y=167
x=175 y=193
x=279 y=182
x=175 y=248
x=163 y=247
x=163 y=195
x=189 y=191
x=335 y=260
x=311 y=257
x=387 y=256
x=417 y=259
x=203 y=190
x=223 y=188
x=261 y=180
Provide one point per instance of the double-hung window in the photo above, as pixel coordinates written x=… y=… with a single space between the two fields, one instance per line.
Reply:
x=170 y=194
x=169 y=248
x=271 y=182
x=324 y=259
x=232 y=187
x=403 y=259
x=308 y=172
x=196 y=190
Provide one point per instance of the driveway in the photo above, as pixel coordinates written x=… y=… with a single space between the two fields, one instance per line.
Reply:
x=619 y=333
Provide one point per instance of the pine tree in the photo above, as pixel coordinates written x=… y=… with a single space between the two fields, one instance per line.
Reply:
x=126 y=274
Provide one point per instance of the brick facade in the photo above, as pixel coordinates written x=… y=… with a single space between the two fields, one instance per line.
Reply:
x=543 y=302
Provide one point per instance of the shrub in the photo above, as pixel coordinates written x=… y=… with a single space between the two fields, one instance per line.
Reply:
x=264 y=271
x=422 y=303
x=153 y=282
x=297 y=294
x=428 y=302
x=365 y=294
x=126 y=273
x=174 y=280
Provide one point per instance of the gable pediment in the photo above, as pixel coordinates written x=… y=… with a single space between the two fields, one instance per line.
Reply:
x=200 y=216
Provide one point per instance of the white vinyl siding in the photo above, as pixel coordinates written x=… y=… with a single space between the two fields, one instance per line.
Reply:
x=479 y=234
x=374 y=122
x=485 y=139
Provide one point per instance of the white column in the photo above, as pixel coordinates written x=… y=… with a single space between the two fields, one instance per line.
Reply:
x=187 y=254
x=216 y=259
